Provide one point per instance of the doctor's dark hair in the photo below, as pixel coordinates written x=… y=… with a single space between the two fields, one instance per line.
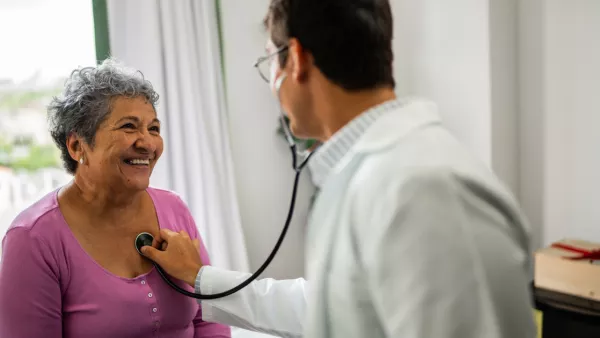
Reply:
x=350 y=40
x=86 y=102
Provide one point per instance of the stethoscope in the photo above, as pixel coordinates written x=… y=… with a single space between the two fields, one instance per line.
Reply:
x=145 y=238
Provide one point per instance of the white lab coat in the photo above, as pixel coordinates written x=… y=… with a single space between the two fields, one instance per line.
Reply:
x=276 y=307
x=410 y=237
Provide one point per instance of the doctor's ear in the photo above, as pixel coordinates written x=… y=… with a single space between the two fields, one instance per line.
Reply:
x=299 y=61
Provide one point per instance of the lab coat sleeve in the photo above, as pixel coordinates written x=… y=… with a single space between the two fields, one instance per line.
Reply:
x=275 y=307
x=422 y=266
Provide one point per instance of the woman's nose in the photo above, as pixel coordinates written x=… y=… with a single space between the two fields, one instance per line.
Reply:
x=146 y=142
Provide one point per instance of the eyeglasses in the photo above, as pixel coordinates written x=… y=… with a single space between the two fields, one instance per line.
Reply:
x=263 y=64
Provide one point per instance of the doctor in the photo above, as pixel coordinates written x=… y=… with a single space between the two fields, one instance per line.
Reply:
x=410 y=236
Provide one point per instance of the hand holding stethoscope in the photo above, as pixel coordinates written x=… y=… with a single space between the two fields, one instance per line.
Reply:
x=178 y=252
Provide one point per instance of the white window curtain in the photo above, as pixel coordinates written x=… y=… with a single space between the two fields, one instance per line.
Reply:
x=176 y=45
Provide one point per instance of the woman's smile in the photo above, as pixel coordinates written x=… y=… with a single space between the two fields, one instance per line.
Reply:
x=138 y=165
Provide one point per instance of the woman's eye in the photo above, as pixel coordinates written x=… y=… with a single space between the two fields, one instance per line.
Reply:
x=155 y=129
x=128 y=126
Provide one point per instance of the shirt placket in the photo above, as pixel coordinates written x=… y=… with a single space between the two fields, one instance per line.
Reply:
x=153 y=306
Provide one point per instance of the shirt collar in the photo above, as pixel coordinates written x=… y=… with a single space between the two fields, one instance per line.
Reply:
x=331 y=152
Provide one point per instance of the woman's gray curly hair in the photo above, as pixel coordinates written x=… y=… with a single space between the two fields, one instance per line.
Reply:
x=86 y=102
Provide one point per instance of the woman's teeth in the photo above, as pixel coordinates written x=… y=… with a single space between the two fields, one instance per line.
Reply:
x=139 y=162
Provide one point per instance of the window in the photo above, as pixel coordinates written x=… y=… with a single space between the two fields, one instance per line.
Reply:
x=42 y=42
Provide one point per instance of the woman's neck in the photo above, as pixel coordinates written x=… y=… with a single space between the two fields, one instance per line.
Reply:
x=103 y=201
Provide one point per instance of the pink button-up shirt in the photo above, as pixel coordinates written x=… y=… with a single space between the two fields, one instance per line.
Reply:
x=51 y=288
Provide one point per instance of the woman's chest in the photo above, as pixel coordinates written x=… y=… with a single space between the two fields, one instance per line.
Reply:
x=113 y=248
x=97 y=304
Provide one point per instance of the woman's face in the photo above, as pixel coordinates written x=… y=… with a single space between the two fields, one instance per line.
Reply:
x=127 y=145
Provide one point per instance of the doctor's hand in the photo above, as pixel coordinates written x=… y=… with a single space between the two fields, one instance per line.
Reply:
x=179 y=255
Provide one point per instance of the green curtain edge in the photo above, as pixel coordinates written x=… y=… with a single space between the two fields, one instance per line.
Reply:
x=101 y=32
x=221 y=46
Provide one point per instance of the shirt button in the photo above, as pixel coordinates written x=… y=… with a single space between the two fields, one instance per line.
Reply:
x=156 y=324
x=150 y=294
x=143 y=282
x=154 y=309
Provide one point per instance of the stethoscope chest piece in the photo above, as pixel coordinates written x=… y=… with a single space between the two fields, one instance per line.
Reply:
x=143 y=239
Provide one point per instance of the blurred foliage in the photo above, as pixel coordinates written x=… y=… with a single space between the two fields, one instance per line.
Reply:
x=36 y=156
x=23 y=153
x=5 y=151
x=40 y=156
x=20 y=99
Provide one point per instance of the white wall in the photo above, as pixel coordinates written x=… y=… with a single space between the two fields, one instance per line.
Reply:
x=572 y=140
x=532 y=119
x=504 y=91
x=261 y=158
x=441 y=51
x=559 y=55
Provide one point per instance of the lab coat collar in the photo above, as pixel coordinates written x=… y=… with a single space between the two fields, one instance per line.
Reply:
x=372 y=131
x=336 y=148
x=391 y=128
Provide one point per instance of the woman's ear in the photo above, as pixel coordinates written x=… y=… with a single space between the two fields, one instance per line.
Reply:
x=75 y=147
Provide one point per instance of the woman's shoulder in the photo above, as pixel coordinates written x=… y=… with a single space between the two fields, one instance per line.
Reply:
x=173 y=214
x=166 y=199
x=35 y=238
x=172 y=211
x=40 y=218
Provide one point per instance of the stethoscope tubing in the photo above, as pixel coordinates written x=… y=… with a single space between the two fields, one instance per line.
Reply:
x=298 y=170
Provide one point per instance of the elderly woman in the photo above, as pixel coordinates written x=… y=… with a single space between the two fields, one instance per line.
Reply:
x=69 y=267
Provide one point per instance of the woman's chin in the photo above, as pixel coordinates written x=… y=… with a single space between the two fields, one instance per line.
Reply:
x=137 y=183
x=136 y=177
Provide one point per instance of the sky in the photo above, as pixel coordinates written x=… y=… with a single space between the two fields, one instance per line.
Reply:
x=54 y=36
